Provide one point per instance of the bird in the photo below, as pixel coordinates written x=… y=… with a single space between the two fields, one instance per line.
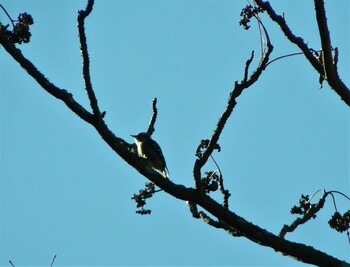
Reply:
x=149 y=149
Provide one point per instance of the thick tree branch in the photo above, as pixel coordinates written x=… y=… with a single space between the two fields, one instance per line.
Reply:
x=224 y=216
x=330 y=67
x=291 y=37
x=258 y=235
x=299 y=251
x=52 y=89
x=325 y=68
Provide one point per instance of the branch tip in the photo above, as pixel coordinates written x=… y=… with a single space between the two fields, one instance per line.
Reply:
x=152 y=122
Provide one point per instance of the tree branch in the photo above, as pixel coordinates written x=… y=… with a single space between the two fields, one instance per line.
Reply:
x=53 y=260
x=291 y=37
x=310 y=213
x=52 y=89
x=225 y=193
x=237 y=90
x=217 y=224
x=330 y=67
x=247 y=64
x=328 y=70
x=82 y=15
x=150 y=129
x=301 y=252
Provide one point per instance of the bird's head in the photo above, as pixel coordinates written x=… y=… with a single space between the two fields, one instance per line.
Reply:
x=141 y=136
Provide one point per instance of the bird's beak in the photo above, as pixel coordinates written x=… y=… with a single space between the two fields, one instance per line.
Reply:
x=133 y=135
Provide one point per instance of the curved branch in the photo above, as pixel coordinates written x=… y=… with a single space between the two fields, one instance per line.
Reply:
x=52 y=89
x=8 y=15
x=278 y=58
x=53 y=260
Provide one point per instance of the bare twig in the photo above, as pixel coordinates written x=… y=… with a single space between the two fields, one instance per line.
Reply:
x=237 y=90
x=340 y=193
x=11 y=264
x=247 y=64
x=226 y=194
x=278 y=58
x=8 y=15
x=82 y=15
x=53 y=260
x=150 y=129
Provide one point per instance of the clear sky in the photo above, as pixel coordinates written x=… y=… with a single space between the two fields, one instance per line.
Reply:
x=64 y=191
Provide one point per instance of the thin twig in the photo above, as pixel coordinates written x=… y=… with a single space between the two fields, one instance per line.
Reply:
x=334 y=202
x=226 y=194
x=247 y=64
x=53 y=260
x=8 y=15
x=278 y=58
x=340 y=193
x=11 y=264
x=318 y=190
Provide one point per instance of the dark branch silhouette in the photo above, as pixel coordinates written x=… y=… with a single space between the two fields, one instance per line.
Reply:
x=325 y=67
x=82 y=15
x=213 y=213
x=150 y=129
x=236 y=92
x=309 y=213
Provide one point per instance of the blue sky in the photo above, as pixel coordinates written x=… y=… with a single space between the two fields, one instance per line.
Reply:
x=64 y=191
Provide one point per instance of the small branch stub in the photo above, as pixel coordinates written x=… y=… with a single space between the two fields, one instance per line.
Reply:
x=151 y=129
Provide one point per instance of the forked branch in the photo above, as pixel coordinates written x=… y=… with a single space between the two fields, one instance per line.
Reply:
x=236 y=92
x=325 y=67
x=224 y=217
